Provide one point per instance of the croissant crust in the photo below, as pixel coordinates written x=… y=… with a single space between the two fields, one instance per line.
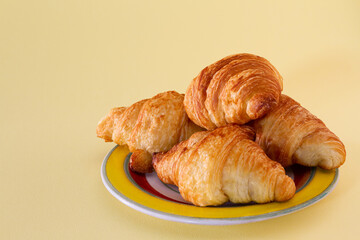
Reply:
x=235 y=89
x=290 y=134
x=142 y=126
x=213 y=167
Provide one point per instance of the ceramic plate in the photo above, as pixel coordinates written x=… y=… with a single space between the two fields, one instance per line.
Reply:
x=147 y=194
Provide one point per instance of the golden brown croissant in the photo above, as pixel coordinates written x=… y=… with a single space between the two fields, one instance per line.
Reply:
x=290 y=134
x=148 y=126
x=212 y=167
x=235 y=89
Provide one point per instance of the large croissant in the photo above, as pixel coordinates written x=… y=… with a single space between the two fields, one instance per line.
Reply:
x=212 y=167
x=148 y=126
x=290 y=134
x=235 y=89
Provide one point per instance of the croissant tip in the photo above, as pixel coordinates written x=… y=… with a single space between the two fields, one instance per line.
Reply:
x=156 y=158
x=285 y=189
x=141 y=161
x=259 y=106
x=332 y=163
x=103 y=136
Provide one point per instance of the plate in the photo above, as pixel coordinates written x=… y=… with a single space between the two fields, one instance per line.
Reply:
x=147 y=194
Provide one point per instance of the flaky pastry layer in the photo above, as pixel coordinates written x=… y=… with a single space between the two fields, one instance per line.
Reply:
x=235 y=89
x=213 y=167
x=290 y=134
x=148 y=126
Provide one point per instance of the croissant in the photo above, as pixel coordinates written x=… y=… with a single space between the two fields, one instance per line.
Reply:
x=148 y=126
x=235 y=89
x=213 y=167
x=290 y=134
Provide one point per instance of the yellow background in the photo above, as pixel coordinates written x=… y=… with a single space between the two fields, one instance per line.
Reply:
x=64 y=64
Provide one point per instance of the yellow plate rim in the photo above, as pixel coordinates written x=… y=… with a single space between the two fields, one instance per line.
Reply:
x=117 y=183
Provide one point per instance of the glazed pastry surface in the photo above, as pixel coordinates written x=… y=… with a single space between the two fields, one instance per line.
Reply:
x=290 y=134
x=148 y=126
x=235 y=89
x=213 y=167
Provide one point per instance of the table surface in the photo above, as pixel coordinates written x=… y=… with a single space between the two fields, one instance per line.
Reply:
x=64 y=64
